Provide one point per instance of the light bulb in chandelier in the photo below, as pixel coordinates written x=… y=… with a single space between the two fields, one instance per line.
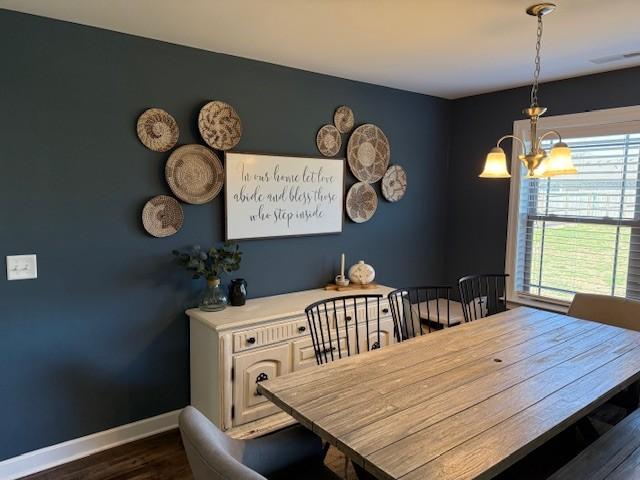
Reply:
x=559 y=161
x=495 y=165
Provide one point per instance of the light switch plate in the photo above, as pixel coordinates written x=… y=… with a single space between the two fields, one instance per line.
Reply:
x=22 y=267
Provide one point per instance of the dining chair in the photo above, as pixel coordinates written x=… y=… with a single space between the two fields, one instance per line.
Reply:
x=343 y=326
x=419 y=310
x=294 y=452
x=482 y=295
x=616 y=311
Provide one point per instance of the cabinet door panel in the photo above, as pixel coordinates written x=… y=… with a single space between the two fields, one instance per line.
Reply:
x=376 y=341
x=303 y=353
x=251 y=368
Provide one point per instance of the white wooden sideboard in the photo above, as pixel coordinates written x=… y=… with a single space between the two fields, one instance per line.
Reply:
x=234 y=349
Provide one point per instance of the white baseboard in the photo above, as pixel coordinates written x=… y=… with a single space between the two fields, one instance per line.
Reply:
x=54 y=455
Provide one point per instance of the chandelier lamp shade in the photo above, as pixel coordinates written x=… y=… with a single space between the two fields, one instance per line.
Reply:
x=538 y=162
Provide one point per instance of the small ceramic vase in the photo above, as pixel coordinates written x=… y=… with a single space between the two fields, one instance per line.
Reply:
x=361 y=273
x=238 y=292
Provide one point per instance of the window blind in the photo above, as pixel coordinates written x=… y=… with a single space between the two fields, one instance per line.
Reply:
x=581 y=233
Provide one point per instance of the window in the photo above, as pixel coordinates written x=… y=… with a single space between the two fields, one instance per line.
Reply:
x=579 y=233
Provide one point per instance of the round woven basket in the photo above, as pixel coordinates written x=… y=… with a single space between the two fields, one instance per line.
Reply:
x=328 y=141
x=162 y=216
x=157 y=130
x=362 y=202
x=368 y=153
x=219 y=125
x=394 y=183
x=343 y=119
x=194 y=174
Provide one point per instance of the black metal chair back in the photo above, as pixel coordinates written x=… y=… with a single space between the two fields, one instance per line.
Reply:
x=482 y=295
x=343 y=326
x=419 y=310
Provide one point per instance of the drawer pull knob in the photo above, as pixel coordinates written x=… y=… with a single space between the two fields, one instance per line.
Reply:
x=251 y=340
x=329 y=349
x=302 y=329
x=385 y=310
x=261 y=378
x=348 y=318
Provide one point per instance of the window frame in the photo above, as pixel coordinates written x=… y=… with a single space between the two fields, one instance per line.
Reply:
x=598 y=121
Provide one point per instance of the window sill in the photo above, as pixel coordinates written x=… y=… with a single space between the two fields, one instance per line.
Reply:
x=537 y=302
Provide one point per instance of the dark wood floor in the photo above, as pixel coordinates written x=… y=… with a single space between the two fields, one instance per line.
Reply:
x=162 y=457
x=159 y=457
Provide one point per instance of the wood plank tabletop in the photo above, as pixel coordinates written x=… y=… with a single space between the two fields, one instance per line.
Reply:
x=465 y=402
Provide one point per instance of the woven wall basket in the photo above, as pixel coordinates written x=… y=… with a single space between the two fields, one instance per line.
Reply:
x=219 y=125
x=194 y=174
x=343 y=119
x=362 y=202
x=157 y=130
x=162 y=216
x=394 y=183
x=328 y=141
x=368 y=153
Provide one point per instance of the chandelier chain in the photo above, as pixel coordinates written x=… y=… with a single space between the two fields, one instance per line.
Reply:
x=536 y=71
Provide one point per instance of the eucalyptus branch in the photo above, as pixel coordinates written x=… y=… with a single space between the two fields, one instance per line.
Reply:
x=210 y=264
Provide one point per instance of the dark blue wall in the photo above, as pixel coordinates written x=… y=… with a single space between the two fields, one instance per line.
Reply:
x=100 y=339
x=478 y=208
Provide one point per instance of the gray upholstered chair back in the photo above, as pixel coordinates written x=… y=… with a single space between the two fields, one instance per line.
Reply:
x=212 y=455
x=620 y=312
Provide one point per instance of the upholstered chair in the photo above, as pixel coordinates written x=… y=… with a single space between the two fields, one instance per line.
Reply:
x=617 y=311
x=213 y=455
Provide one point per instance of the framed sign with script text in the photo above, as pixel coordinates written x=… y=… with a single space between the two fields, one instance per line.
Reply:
x=277 y=196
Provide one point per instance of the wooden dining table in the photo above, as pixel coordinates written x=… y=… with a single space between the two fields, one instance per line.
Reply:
x=465 y=402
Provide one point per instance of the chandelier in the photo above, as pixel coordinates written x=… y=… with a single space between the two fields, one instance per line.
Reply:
x=537 y=161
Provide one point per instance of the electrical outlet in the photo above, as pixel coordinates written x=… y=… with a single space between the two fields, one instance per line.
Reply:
x=22 y=267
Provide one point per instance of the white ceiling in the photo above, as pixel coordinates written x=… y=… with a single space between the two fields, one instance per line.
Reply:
x=448 y=48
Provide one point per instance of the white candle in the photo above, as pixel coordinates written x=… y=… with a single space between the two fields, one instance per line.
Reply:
x=342 y=265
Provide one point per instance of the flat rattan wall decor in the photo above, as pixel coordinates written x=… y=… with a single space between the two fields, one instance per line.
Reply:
x=394 y=183
x=328 y=141
x=157 y=130
x=194 y=174
x=344 y=119
x=368 y=153
x=162 y=216
x=362 y=202
x=219 y=125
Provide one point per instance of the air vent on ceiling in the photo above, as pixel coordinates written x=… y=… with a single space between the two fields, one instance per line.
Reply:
x=615 y=58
